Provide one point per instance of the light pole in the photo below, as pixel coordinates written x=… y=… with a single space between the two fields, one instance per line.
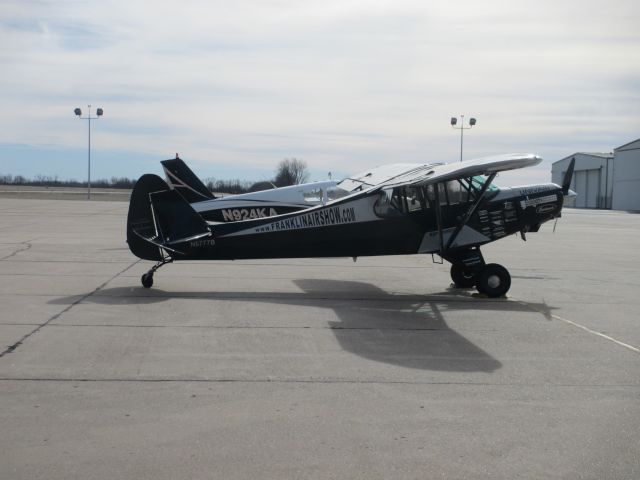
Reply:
x=99 y=112
x=462 y=128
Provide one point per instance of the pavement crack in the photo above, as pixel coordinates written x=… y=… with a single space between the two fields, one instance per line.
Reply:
x=318 y=381
x=251 y=327
x=25 y=246
x=12 y=348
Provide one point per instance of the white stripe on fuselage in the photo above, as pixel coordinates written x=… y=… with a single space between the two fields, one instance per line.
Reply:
x=340 y=213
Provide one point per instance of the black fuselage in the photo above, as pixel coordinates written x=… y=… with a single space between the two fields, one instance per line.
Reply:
x=413 y=222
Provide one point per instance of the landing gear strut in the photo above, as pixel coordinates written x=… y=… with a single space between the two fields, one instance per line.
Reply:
x=147 y=278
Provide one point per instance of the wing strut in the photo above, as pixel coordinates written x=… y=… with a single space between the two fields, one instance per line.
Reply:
x=467 y=216
x=436 y=191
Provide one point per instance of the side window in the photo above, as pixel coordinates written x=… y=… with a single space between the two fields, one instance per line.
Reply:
x=431 y=194
x=439 y=191
x=397 y=200
x=415 y=199
x=387 y=204
x=400 y=201
x=454 y=192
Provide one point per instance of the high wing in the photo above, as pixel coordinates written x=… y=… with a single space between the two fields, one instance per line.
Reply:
x=469 y=168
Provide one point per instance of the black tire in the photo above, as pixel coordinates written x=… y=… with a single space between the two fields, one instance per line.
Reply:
x=462 y=276
x=147 y=280
x=494 y=280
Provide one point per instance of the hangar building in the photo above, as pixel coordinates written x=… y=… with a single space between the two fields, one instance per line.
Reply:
x=592 y=178
x=626 y=177
x=604 y=180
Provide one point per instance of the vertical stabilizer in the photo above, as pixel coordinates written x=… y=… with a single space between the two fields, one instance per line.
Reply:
x=141 y=224
x=160 y=219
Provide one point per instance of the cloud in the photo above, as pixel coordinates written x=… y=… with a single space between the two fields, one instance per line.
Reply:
x=343 y=85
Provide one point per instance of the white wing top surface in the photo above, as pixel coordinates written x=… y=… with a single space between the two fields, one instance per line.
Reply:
x=469 y=168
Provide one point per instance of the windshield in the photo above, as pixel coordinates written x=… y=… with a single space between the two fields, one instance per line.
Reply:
x=478 y=182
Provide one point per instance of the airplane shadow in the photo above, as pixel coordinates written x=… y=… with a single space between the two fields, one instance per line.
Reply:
x=397 y=329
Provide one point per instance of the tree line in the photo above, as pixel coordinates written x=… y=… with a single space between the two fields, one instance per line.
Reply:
x=48 y=181
x=290 y=171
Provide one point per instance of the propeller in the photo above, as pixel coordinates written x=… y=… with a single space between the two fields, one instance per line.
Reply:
x=567 y=193
x=566 y=181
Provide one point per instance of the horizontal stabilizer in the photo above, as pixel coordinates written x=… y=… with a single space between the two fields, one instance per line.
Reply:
x=181 y=178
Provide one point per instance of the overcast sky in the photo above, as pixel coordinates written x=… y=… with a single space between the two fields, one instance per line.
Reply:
x=235 y=87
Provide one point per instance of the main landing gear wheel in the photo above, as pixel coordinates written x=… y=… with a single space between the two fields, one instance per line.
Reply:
x=493 y=280
x=462 y=276
x=147 y=280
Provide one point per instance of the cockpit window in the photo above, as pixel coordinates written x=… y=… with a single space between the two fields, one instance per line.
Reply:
x=415 y=199
x=399 y=201
x=459 y=191
x=403 y=200
x=453 y=193
x=386 y=204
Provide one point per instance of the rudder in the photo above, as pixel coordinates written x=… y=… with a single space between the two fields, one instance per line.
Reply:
x=140 y=221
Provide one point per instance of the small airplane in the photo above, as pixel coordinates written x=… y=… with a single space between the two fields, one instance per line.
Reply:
x=446 y=209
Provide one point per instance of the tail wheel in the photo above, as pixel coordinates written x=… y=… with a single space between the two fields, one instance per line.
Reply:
x=493 y=280
x=462 y=276
x=147 y=280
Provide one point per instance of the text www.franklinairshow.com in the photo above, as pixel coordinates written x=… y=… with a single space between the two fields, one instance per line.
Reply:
x=321 y=218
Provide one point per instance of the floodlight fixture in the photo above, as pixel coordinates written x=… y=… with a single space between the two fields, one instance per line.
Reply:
x=99 y=113
x=462 y=128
